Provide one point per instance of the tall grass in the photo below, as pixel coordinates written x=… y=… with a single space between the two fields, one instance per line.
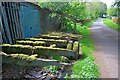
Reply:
x=88 y=24
x=85 y=67
x=111 y=24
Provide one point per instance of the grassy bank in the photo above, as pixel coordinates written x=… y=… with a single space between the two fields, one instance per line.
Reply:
x=111 y=24
x=85 y=67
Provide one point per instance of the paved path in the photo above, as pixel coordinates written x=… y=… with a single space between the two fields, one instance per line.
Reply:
x=106 y=54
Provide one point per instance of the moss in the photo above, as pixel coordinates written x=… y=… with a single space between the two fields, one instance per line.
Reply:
x=75 y=46
x=49 y=36
x=53 y=45
x=50 y=48
x=24 y=57
x=2 y=53
x=69 y=46
x=30 y=42
x=49 y=51
x=17 y=48
x=47 y=40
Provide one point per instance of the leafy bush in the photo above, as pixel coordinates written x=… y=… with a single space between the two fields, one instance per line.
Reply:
x=88 y=24
x=52 y=68
x=83 y=31
x=85 y=69
x=111 y=24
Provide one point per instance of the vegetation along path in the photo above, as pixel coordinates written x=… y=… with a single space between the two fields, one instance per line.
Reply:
x=106 y=54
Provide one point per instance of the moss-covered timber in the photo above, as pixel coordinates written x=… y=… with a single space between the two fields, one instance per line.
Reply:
x=7 y=48
x=26 y=60
x=40 y=50
x=48 y=51
x=61 y=37
x=47 y=41
x=75 y=46
x=69 y=45
x=32 y=43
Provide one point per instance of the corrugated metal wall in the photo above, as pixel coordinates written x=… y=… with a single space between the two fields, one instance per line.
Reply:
x=30 y=18
x=19 y=20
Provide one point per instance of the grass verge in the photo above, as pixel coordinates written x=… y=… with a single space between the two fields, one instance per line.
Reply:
x=111 y=24
x=85 y=67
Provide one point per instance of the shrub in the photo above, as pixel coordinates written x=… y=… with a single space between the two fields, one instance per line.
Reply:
x=83 y=31
x=85 y=69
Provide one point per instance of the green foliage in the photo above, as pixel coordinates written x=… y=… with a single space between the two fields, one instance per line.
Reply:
x=111 y=24
x=71 y=12
x=85 y=69
x=88 y=43
x=52 y=68
x=86 y=51
x=89 y=24
x=83 y=31
x=112 y=11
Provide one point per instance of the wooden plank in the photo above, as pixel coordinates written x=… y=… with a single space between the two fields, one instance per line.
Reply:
x=32 y=43
x=69 y=45
x=40 y=50
x=25 y=49
x=35 y=62
x=75 y=46
x=80 y=52
x=58 y=43
x=49 y=52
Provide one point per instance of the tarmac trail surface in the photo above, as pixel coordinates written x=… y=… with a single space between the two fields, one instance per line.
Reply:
x=106 y=54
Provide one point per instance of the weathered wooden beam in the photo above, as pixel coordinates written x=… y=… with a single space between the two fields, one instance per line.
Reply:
x=63 y=36
x=7 y=48
x=40 y=50
x=36 y=62
x=75 y=46
x=48 y=51
x=32 y=43
x=47 y=41
x=69 y=45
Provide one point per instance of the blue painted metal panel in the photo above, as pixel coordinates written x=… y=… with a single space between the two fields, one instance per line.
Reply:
x=11 y=27
x=30 y=19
